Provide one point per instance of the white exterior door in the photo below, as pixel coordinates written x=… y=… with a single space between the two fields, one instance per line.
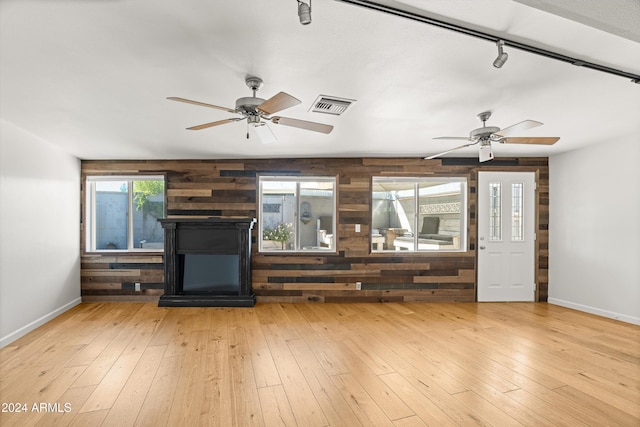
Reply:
x=506 y=236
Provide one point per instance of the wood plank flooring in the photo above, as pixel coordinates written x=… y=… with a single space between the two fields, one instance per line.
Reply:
x=393 y=364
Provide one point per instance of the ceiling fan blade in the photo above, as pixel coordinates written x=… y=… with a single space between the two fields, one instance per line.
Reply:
x=458 y=138
x=542 y=140
x=212 y=124
x=278 y=102
x=202 y=104
x=453 y=149
x=264 y=133
x=302 y=124
x=527 y=124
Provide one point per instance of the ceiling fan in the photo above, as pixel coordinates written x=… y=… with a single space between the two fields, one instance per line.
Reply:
x=258 y=111
x=488 y=134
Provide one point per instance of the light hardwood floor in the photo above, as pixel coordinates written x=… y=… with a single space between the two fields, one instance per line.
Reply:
x=134 y=364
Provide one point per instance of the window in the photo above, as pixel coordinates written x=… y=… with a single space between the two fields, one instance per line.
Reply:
x=297 y=213
x=418 y=214
x=122 y=213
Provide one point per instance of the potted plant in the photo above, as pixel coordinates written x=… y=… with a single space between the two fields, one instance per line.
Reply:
x=280 y=233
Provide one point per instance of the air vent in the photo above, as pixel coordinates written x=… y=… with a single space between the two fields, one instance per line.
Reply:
x=331 y=105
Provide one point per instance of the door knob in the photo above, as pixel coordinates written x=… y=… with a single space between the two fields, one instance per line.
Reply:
x=483 y=247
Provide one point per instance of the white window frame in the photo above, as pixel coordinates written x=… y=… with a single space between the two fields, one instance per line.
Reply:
x=297 y=180
x=90 y=215
x=464 y=183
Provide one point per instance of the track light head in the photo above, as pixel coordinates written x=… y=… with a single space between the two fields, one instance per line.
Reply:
x=304 y=12
x=502 y=56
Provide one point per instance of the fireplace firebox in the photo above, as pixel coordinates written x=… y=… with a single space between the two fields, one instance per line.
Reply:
x=207 y=262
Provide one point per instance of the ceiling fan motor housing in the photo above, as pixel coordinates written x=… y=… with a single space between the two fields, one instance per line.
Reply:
x=483 y=132
x=248 y=105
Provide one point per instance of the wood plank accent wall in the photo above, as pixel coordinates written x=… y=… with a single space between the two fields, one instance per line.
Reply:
x=229 y=188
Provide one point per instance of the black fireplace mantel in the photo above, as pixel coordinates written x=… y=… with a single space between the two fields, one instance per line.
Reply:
x=219 y=249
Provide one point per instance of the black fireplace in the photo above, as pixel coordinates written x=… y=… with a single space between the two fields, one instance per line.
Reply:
x=207 y=262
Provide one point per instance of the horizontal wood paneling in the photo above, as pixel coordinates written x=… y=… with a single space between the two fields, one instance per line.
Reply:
x=228 y=188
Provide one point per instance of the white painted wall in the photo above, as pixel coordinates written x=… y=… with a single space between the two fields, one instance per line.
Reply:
x=39 y=232
x=594 y=230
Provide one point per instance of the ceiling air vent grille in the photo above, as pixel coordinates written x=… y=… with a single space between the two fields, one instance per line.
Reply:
x=331 y=105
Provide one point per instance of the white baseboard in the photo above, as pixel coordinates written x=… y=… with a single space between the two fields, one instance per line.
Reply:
x=7 y=339
x=596 y=311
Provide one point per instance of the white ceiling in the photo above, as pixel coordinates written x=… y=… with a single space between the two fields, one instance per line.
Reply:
x=92 y=76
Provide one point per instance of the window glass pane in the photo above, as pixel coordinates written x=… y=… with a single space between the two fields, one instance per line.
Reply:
x=122 y=213
x=279 y=205
x=382 y=216
x=148 y=206
x=393 y=214
x=316 y=215
x=297 y=214
x=440 y=215
x=418 y=214
x=111 y=213
x=495 y=211
x=517 y=220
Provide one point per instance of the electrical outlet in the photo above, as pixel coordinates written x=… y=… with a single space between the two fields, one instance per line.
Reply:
x=359 y=286
x=357 y=228
x=137 y=287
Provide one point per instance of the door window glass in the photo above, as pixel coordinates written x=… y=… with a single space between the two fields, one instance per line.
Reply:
x=517 y=220
x=495 y=211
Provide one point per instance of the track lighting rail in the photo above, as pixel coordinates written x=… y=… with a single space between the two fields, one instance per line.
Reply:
x=635 y=78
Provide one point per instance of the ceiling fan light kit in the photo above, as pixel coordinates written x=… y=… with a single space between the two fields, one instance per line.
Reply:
x=485 y=135
x=264 y=133
x=257 y=111
x=485 y=154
